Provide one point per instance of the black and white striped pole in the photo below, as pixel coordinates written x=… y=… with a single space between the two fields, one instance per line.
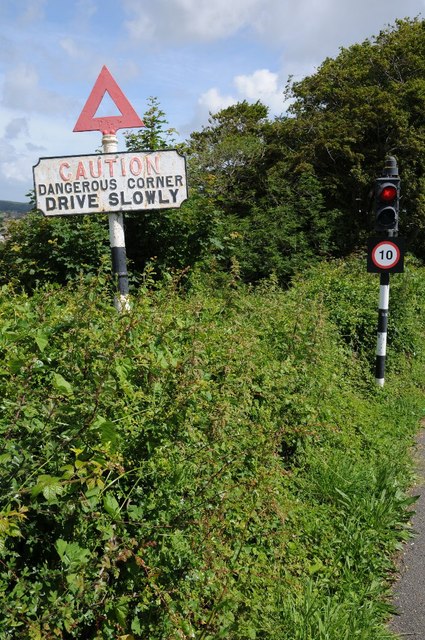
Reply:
x=108 y=126
x=381 y=342
x=117 y=240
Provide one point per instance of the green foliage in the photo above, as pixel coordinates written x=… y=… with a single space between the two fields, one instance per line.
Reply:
x=268 y=221
x=217 y=464
x=358 y=108
x=172 y=238
x=42 y=249
x=271 y=196
x=282 y=239
x=154 y=135
x=225 y=158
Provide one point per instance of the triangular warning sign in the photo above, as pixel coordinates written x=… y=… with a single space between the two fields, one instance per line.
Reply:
x=107 y=124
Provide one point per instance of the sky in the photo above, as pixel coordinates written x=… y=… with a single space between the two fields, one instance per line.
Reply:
x=195 y=56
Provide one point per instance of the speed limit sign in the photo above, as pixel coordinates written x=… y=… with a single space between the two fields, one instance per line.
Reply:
x=385 y=255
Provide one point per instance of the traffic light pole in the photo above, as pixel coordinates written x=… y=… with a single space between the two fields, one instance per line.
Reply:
x=381 y=342
x=385 y=253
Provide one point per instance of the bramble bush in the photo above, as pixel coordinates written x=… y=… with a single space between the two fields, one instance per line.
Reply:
x=215 y=463
x=58 y=250
x=40 y=249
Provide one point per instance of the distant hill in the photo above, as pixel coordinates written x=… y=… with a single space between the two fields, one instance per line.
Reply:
x=14 y=209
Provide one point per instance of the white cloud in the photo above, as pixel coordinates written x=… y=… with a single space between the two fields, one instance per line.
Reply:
x=311 y=30
x=212 y=101
x=140 y=26
x=15 y=128
x=262 y=85
x=179 y=20
x=72 y=48
x=305 y=31
x=14 y=165
x=85 y=9
x=15 y=170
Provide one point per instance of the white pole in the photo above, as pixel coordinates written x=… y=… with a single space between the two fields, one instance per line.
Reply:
x=117 y=240
x=381 y=340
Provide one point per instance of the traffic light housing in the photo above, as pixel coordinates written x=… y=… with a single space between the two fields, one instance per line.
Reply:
x=387 y=199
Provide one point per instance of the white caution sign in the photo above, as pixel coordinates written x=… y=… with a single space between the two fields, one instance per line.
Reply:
x=106 y=183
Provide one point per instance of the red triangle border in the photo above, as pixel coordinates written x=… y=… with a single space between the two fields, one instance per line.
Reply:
x=107 y=124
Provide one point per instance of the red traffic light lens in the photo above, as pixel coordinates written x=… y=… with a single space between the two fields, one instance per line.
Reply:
x=388 y=194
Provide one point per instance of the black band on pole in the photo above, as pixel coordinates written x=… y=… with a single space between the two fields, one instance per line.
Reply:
x=384 y=278
x=382 y=321
x=119 y=267
x=380 y=368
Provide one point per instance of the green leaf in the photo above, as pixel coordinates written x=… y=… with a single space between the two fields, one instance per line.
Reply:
x=71 y=553
x=121 y=612
x=107 y=431
x=135 y=626
x=61 y=546
x=111 y=506
x=49 y=486
x=61 y=385
x=75 y=582
x=41 y=341
x=16 y=364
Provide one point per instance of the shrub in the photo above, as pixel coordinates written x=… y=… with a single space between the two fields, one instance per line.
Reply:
x=213 y=464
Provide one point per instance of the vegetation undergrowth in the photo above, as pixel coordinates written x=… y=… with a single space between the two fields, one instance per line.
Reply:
x=215 y=463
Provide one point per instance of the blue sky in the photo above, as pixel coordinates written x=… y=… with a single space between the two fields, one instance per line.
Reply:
x=195 y=56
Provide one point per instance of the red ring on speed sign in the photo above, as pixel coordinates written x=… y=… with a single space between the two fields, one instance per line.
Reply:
x=385 y=255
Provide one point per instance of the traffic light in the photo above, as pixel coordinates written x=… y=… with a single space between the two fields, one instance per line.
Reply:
x=387 y=197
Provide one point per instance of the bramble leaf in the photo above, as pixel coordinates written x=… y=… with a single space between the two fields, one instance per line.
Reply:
x=111 y=506
x=41 y=341
x=61 y=385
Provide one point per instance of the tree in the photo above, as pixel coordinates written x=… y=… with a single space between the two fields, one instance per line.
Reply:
x=366 y=103
x=225 y=158
x=271 y=219
x=172 y=238
x=154 y=134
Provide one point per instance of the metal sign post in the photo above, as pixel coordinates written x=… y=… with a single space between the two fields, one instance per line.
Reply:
x=117 y=241
x=381 y=341
x=108 y=126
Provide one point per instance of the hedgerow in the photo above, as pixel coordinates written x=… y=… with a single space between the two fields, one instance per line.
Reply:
x=215 y=463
